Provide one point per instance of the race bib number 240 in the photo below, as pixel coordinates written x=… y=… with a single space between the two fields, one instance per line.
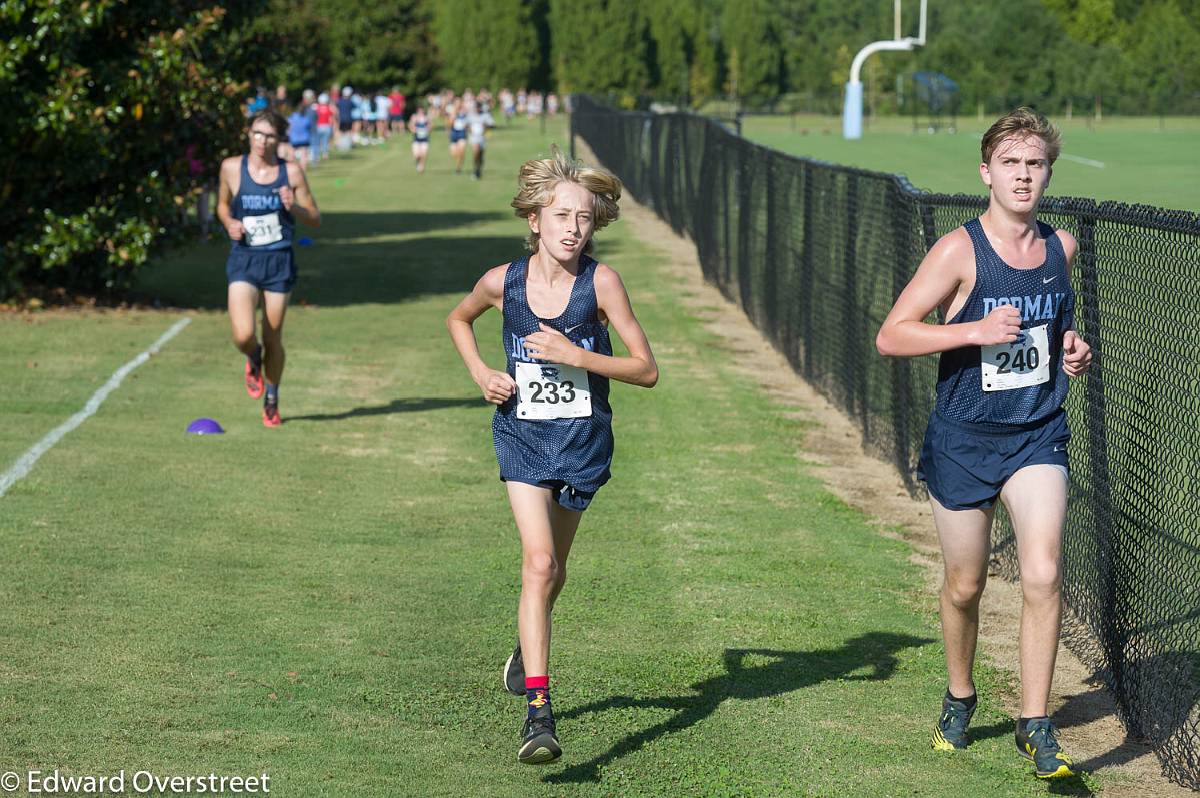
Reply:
x=1024 y=362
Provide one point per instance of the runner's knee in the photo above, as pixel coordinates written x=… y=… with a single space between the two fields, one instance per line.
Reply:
x=1041 y=580
x=243 y=337
x=540 y=568
x=963 y=590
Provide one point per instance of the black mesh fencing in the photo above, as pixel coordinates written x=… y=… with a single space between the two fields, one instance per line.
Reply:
x=816 y=254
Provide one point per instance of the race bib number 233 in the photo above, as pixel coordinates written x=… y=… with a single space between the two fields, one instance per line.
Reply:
x=552 y=390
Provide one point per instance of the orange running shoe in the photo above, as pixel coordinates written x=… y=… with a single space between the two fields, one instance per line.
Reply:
x=271 y=415
x=254 y=380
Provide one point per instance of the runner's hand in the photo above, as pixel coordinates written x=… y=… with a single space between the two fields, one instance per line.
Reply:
x=551 y=346
x=1077 y=355
x=287 y=197
x=1001 y=326
x=235 y=229
x=497 y=387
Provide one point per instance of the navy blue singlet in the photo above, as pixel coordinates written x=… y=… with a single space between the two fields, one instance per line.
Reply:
x=420 y=132
x=577 y=451
x=458 y=128
x=258 y=199
x=1044 y=296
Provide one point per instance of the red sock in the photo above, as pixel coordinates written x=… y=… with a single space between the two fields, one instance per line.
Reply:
x=537 y=693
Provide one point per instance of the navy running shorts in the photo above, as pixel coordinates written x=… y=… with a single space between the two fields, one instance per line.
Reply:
x=273 y=270
x=964 y=466
x=561 y=492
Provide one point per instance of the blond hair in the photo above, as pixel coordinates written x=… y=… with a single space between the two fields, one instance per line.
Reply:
x=1021 y=122
x=538 y=178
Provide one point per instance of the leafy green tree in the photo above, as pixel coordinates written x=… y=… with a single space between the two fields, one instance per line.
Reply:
x=1164 y=50
x=600 y=45
x=489 y=43
x=380 y=45
x=289 y=41
x=671 y=44
x=116 y=111
x=751 y=34
x=704 y=71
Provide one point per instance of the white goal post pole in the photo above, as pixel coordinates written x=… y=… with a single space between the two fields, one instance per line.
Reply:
x=852 y=109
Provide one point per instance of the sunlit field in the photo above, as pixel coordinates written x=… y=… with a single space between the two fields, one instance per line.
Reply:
x=1132 y=159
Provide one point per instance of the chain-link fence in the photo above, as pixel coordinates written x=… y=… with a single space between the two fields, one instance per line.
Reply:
x=816 y=253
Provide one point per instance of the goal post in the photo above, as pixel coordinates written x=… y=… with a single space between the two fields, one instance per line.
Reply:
x=852 y=110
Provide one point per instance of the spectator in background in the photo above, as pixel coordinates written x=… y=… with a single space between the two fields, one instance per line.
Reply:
x=396 y=111
x=326 y=115
x=259 y=102
x=383 y=115
x=300 y=135
x=345 y=114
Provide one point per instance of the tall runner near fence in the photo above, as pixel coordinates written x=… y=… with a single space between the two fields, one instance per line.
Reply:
x=816 y=254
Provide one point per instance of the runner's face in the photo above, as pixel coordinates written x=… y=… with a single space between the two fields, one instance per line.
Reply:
x=565 y=225
x=263 y=138
x=1017 y=173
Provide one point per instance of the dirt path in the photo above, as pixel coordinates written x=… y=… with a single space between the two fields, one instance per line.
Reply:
x=1081 y=708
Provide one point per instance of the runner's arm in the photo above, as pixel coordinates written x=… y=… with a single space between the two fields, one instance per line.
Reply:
x=304 y=205
x=225 y=194
x=497 y=386
x=938 y=279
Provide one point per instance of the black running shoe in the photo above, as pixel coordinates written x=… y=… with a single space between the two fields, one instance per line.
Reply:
x=950 y=734
x=513 y=675
x=1038 y=742
x=539 y=743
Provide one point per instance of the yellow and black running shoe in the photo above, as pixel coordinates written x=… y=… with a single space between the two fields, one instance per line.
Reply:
x=950 y=734
x=1038 y=742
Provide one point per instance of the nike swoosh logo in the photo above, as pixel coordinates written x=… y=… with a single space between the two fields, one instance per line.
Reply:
x=1049 y=279
x=568 y=330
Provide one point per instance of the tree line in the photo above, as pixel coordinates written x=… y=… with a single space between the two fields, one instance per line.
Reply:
x=1124 y=56
x=120 y=109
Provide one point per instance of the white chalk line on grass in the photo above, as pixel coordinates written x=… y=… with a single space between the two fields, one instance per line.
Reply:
x=1084 y=161
x=25 y=463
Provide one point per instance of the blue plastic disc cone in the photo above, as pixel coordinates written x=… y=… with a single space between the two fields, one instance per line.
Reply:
x=205 y=426
x=305 y=242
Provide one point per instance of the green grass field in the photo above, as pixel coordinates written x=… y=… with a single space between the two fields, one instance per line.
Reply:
x=1144 y=161
x=331 y=602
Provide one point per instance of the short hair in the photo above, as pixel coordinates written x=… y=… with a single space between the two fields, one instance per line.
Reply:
x=274 y=119
x=538 y=178
x=1022 y=122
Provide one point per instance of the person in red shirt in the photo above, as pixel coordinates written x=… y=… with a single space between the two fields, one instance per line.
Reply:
x=326 y=122
x=397 y=115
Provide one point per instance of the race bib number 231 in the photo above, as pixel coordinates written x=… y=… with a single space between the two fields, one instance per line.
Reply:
x=262 y=230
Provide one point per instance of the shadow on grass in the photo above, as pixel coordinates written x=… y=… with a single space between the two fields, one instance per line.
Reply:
x=786 y=671
x=355 y=258
x=395 y=406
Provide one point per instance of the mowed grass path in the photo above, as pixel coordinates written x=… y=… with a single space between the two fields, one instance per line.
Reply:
x=1143 y=161
x=330 y=602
